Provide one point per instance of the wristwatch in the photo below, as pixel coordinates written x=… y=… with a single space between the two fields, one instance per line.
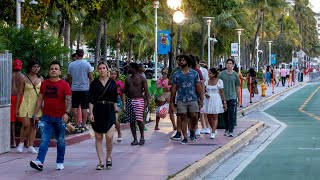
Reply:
x=67 y=113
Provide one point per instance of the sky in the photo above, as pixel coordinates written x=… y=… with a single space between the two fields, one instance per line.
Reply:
x=315 y=5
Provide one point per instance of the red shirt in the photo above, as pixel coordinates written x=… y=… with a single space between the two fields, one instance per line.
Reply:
x=120 y=87
x=199 y=73
x=54 y=97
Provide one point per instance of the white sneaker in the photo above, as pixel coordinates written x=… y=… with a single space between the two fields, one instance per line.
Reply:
x=203 y=131
x=207 y=131
x=216 y=132
x=212 y=135
x=226 y=133
x=32 y=150
x=20 y=147
x=231 y=134
x=198 y=132
x=60 y=166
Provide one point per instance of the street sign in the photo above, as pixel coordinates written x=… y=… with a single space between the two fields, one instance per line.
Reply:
x=234 y=49
x=164 y=42
x=273 y=59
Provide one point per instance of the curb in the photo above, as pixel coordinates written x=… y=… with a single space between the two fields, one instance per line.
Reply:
x=216 y=157
x=251 y=107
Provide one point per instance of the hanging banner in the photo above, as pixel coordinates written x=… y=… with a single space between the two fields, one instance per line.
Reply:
x=234 y=49
x=164 y=42
x=273 y=59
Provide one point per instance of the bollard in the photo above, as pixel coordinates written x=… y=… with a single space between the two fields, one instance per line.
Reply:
x=263 y=90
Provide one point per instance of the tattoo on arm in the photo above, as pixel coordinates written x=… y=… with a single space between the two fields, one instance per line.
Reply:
x=68 y=103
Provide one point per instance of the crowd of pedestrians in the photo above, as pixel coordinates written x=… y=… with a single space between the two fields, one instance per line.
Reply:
x=191 y=92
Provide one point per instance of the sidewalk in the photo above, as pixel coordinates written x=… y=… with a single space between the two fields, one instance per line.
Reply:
x=159 y=158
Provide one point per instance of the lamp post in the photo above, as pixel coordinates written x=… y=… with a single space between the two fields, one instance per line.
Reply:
x=239 y=46
x=258 y=51
x=18 y=11
x=209 y=39
x=270 y=42
x=156 y=6
x=174 y=5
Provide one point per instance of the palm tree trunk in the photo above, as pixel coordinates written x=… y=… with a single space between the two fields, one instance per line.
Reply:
x=131 y=36
x=263 y=47
x=212 y=63
x=257 y=33
x=98 y=43
x=67 y=34
x=118 y=45
x=203 y=39
x=105 y=39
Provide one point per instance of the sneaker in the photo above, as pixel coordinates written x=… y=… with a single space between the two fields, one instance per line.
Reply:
x=212 y=135
x=60 y=166
x=198 y=132
x=207 y=131
x=226 y=133
x=203 y=131
x=193 y=136
x=36 y=165
x=176 y=137
x=20 y=147
x=32 y=150
x=230 y=134
x=216 y=132
x=184 y=141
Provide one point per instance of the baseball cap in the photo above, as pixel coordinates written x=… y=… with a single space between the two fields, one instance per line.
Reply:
x=17 y=64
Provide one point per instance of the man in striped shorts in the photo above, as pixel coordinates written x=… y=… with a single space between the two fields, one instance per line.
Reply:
x=134 y=87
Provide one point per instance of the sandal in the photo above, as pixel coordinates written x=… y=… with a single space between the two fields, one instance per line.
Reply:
x=156 y=128
x=141 y=142
x=109 y=164
x=100 y=167
x=119 y=138
x=134 y=143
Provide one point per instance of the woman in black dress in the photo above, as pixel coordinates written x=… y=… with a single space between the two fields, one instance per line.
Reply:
x=103 y=108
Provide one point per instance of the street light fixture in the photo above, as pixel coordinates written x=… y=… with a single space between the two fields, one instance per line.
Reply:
x=270 y=42
x=18 y=11
x=239 y=46
x=174 y=5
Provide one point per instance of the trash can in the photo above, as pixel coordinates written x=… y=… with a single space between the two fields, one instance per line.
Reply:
x=300 y=77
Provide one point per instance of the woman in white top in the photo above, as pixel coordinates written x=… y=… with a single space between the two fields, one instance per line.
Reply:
x=214 y=101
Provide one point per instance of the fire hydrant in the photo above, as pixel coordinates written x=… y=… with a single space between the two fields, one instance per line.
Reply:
x=263 y=90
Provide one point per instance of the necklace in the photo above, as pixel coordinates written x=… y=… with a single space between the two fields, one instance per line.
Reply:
x=103 y=81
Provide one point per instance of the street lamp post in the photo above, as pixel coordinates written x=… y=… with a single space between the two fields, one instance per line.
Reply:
x=239 y=47
x=270 y=42
x=156 y=6
x=209 y=39
x=18 y=11
x=174 y=5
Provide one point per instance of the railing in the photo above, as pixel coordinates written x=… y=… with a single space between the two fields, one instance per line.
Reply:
x=5 y=78
x=314 y=76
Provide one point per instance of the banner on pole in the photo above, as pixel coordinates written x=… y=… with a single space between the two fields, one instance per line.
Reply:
x=234 y=49
x=164 y=42
x=273 y=59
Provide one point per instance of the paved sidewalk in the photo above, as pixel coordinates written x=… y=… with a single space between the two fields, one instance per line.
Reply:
x=159 y=158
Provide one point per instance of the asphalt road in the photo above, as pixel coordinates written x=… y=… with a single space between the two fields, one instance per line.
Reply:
x=295 y=152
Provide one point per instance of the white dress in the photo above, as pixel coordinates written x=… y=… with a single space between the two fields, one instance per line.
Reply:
x=213 y=104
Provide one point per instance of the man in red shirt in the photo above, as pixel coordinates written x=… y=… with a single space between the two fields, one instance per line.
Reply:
x=56 y=95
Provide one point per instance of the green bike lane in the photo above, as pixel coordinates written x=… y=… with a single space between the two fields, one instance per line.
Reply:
x=295 y=153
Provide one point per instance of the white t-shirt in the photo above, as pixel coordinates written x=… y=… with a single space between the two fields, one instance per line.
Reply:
x=204 y=72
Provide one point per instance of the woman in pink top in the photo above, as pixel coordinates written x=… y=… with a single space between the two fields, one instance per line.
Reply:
x=163 y=83
x=283 y=74
x=120 y=101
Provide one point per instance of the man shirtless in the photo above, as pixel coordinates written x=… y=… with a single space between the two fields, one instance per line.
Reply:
x=134 y=87
x=17 y=76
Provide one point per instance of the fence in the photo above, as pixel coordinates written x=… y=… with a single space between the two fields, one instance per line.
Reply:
x=314 y=76
x=5 y=79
